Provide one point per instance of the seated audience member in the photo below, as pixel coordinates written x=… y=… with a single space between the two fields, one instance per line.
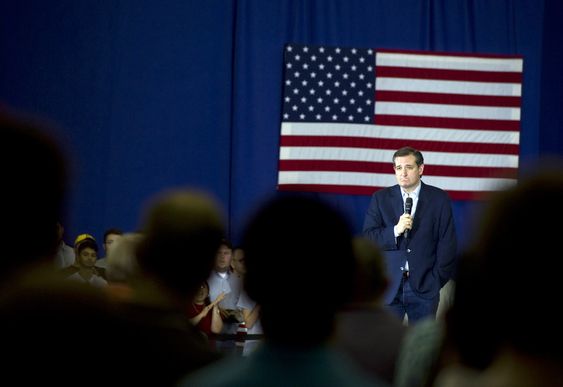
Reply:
x=204 y=314
x=237 y=263
x=500 y=325
x=181 y=232
x=223 y=280
x=366 y=331
x=251 y=319
x=65 y=254
x=122 y=266
x=84 y=268
x=110 y=237
x=419 y=354
x=311 y=237
x=250 y=310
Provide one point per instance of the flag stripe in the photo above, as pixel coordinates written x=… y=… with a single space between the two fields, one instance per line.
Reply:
x=450 y=75
x=380 y=167
x=449 y=54
x=384 y=155
x=451 y=111
x=373 y=179
x=380 y=143
x=399 y=132
x=449 y=99
x=448 y=62
x=447 y=122
x=448 y=87
x=363 y=190
x=340 y=189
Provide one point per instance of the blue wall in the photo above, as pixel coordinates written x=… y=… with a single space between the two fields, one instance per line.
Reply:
x=151 y=95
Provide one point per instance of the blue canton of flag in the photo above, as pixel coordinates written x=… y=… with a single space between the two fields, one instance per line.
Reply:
x=328 y=84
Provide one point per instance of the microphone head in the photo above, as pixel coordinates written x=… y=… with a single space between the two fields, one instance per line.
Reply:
x=408 y=205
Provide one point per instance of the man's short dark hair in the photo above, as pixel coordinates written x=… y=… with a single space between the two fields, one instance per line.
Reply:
x=407 y=151
x=112 y=231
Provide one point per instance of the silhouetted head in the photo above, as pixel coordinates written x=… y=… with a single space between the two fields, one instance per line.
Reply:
x=34 y=175
x=182 y=231
x=371 y=278
x=299 y=261
x=507 y=283
x=43 y=318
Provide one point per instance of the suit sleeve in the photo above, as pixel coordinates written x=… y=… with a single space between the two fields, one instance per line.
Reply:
x=378 y=229
x=447 y=244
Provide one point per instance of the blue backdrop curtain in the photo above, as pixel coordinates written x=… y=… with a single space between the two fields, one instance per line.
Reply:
x=153 y=95
x=263 y=28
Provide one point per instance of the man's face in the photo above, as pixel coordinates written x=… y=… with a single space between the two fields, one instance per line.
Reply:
x=110 y=240
x=407 y=172
x=223 y=259
x=238 y=262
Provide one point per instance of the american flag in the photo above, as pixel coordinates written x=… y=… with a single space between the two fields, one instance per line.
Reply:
x=346 y=111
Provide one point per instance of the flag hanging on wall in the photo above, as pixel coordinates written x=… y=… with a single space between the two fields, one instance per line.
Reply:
x=347 y=110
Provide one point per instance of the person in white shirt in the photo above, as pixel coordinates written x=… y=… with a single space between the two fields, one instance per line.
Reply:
x=222 y=280
x=65 y=254
x=111 y=235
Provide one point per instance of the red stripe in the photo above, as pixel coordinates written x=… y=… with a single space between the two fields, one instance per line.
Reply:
x=384 y=143
x=340 y=189
x=448 y=74
x=335 y=165
x=372 y=167
x=448 y=99
x=450 y=123
x=444 y=53
x=363 y=190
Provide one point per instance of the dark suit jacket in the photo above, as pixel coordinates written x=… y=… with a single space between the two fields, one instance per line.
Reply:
x=430 y=247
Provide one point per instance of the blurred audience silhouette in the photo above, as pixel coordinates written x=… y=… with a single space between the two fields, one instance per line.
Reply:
x=298 y=304
x=367 y=331
x=48 y=327
x=182 y=230
x=59 y=332
x=501 y=329
x=34 y=169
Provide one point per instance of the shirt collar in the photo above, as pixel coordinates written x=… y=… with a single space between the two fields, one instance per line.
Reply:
x=414 y=194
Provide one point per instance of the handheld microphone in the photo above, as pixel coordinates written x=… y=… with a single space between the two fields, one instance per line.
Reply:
x=408 y=209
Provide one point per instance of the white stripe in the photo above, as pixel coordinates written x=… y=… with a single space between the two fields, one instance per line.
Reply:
x=449 y=62
x=452 y=111
x=470 y=159
x=469 y=183
x=448 y=87
x=399 y=132
x=336 y=178
x=386 y=180
x=334 y=153
x=385 y=156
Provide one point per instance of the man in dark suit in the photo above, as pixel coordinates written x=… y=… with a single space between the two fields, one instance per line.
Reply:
x=420 y=247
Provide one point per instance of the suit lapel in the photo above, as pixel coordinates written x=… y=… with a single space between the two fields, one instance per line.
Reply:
x=419 y=206
x=398 y=204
